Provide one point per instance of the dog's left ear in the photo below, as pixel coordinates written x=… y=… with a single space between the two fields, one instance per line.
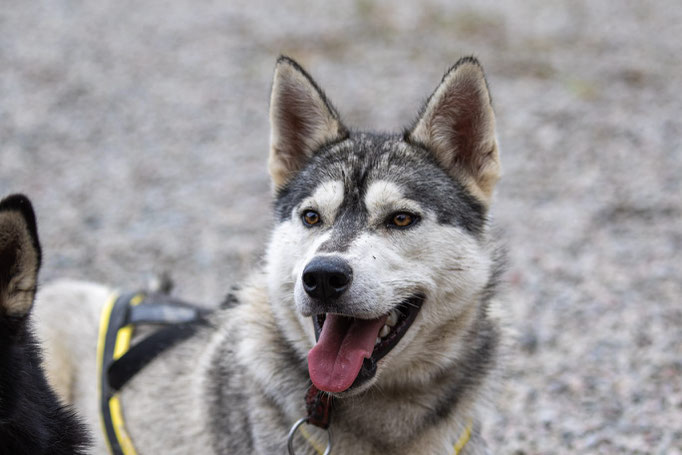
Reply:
x=20 y=256
x=301 y=121
x=457 y=124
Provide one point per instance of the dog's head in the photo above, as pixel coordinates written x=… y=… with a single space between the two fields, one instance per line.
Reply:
x=378 y=259
x=19 y=257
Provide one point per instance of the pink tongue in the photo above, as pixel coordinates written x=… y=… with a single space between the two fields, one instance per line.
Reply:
x=335 y=361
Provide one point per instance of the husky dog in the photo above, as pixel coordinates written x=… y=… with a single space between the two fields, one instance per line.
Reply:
x=32 y=420
x=378 y=287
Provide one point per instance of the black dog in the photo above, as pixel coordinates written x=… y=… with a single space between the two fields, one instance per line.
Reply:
x=32 y=420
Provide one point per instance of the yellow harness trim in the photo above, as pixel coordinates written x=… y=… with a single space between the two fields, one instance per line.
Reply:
x=119 y=427
x=309 y=438
x=103 y=325
x=123 y=337
x=125 y=334
x=463 y=438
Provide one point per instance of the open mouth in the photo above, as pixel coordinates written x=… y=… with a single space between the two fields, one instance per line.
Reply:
x=348 y=349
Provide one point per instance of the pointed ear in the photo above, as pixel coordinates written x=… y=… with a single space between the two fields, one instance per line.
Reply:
x=458 y=125
x=301 y=121
x=20 y=256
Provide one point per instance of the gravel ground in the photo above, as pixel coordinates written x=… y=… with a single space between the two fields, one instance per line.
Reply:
x=139 y=129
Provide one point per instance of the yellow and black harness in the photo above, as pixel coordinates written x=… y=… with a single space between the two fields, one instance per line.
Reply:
x=118 y=362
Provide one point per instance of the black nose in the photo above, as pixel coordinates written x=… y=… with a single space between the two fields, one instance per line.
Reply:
x=327 y=277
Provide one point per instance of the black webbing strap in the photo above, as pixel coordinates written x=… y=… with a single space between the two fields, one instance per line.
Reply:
x=145 y=351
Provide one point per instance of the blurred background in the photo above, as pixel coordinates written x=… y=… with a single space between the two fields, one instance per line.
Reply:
x=139 y=130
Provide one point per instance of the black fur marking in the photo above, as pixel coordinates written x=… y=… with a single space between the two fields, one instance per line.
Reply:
x=231 y=298
x=365 y=158
x=496 y=278
x=32 y=420
x=471 y=371
x=449 y=198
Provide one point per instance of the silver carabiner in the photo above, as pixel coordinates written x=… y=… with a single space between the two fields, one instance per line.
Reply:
x=292 y=432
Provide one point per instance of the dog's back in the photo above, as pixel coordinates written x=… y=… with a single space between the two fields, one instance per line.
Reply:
x=67 y=313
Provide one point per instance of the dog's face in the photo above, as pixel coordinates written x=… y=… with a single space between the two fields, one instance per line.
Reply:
x=377 y=260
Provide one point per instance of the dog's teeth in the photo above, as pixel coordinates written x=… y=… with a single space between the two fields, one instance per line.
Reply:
x=392 y=318
x=377 y=341
x=385 y=330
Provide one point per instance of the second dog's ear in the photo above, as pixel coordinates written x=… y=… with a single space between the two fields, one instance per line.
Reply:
x=20 y=256
x=301 y=121
x=458 y=125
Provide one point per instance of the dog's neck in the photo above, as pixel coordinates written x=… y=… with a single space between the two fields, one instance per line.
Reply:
x=275 y=370
x=448 y=400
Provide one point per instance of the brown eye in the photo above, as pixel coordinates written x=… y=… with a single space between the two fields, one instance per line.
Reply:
x=311 y=217
x=402 y=220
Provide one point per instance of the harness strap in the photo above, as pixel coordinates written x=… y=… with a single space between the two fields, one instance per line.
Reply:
x=160 y=309
x=112 y=318
x=117 y=362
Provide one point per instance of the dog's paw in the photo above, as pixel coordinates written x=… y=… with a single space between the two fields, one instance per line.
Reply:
x=20 y=256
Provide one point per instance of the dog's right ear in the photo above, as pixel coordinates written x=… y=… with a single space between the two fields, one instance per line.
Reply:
x=301 y=121
x=20 y=256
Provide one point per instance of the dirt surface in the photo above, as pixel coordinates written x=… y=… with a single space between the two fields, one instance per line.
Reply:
x=139 y=129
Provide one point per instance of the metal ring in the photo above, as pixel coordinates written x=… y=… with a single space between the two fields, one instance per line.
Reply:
x=292 y=432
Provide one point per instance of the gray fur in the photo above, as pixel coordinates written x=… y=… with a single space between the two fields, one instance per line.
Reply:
x=239 y=384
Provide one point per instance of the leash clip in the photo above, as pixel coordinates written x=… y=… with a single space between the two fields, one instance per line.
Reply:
x=319 y=412
x=292 y=432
